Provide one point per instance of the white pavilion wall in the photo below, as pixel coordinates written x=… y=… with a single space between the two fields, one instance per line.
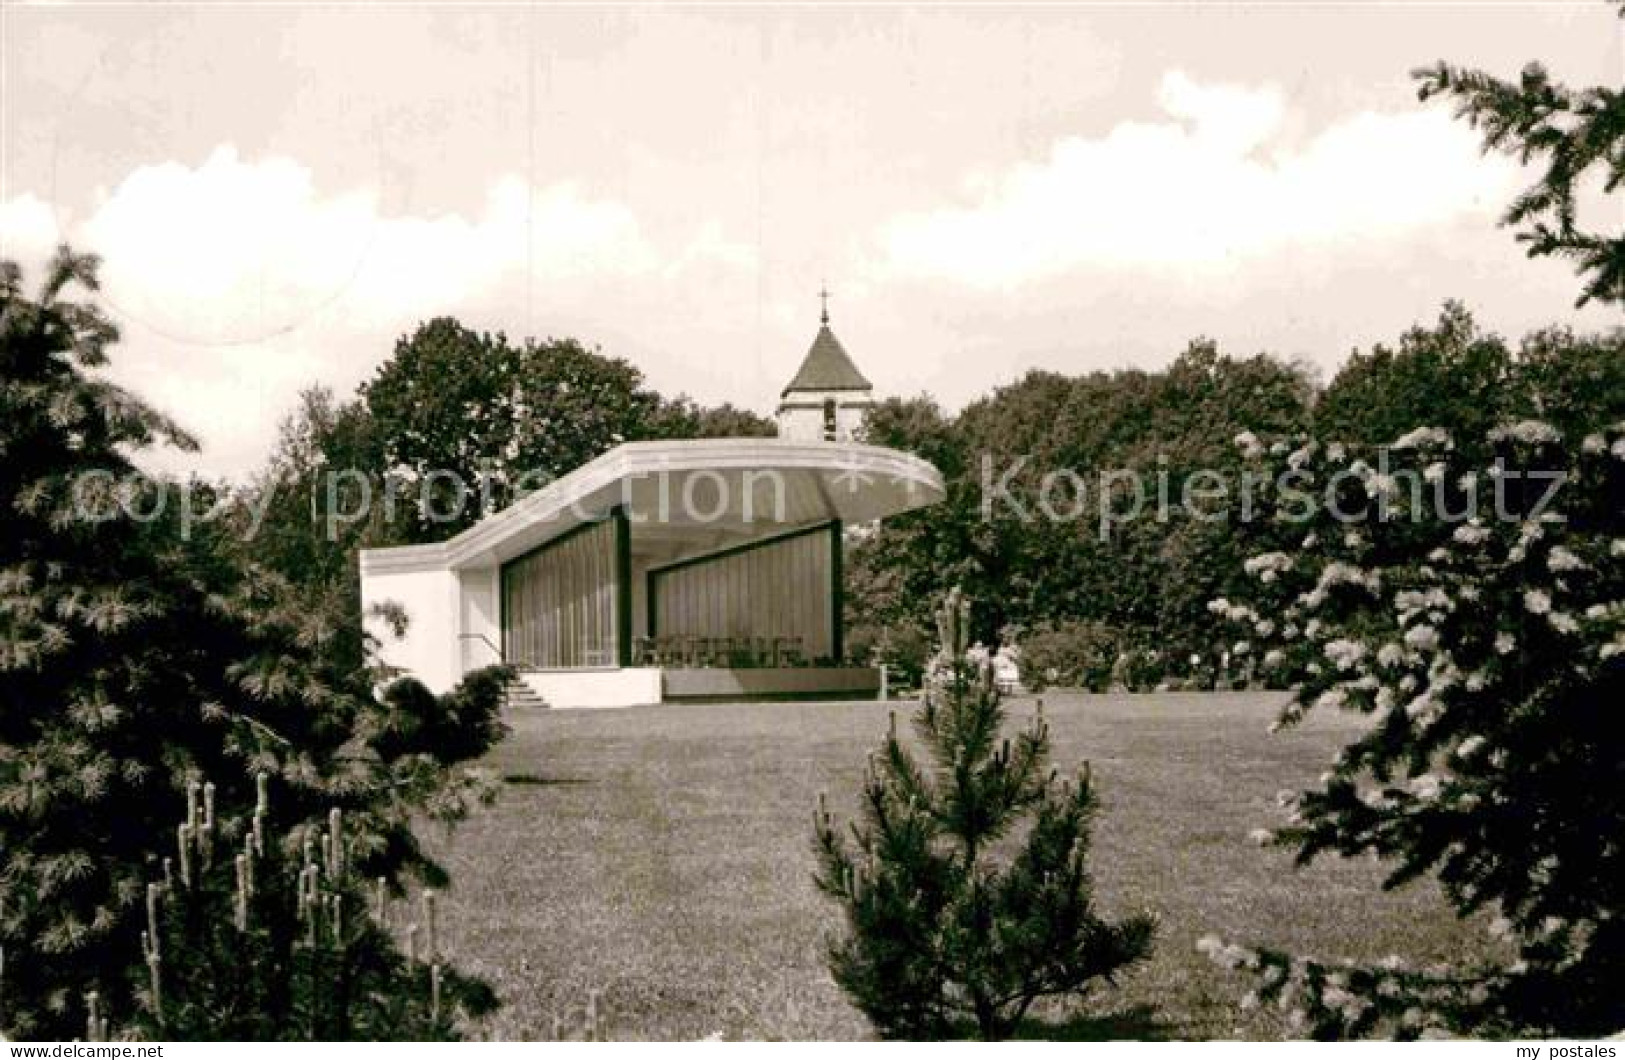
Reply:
x=429 y=650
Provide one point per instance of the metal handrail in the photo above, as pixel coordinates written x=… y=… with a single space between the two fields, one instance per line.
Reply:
x=501 y=656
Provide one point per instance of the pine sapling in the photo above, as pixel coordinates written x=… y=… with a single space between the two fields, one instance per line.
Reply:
x=965 y=886
x=275 y=942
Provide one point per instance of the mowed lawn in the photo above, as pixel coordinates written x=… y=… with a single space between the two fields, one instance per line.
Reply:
x=660 y=858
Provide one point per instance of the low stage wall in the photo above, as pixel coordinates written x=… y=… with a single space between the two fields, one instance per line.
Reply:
x=636 y=686
x=640 y=686
x=800 y=682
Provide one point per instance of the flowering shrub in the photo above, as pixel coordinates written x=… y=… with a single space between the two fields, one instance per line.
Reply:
x=1474 y=612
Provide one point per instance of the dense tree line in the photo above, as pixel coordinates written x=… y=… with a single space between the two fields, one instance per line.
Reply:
x=454 y=425
x=1110 y=591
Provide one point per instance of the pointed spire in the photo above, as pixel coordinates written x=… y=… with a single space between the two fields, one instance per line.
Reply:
x=826 y=366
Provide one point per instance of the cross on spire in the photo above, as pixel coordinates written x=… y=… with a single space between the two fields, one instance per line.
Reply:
x=823 y=297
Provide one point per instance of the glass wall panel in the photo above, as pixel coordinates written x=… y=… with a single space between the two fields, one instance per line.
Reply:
x=558 y=603
x=781 y=589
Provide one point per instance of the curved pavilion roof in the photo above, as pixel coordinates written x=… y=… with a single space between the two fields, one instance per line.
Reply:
x=686 y=495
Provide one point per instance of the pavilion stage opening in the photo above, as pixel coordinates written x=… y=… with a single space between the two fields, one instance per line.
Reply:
x=660 y=572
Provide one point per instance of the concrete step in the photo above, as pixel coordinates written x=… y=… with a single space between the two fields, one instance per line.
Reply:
x=519 y=696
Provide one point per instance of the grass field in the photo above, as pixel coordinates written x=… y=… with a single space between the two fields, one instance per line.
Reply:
x=661 y=857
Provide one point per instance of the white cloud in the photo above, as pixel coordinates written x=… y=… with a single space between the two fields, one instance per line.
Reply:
x=27 y=229
x=237 y=282
x=229 y=252
x=238 y=251
x=1231 y=118
x=1215 y=187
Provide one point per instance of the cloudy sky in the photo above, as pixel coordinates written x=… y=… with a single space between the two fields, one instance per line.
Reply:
x=281 y=191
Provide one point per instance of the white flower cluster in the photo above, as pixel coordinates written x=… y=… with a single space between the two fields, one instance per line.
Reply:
x=1612 y=614
x=1249 y=445
x=1529 y=432
x=1267 y=566
x=1422 y=637
x=1231 y=611
x=1424 y=710
x=1597 y=444
x=1528 y=534
x=1422 y=437
x=1378 y=484
x=1427 y=786
x=1345 y=654
x=1376 y=798
x=1338 y=573
x=1412 y=602
x=1561 y=561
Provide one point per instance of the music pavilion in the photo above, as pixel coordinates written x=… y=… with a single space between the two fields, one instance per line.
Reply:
x=665 y=571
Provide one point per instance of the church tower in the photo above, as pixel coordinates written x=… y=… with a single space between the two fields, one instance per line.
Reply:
x=828 y=396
